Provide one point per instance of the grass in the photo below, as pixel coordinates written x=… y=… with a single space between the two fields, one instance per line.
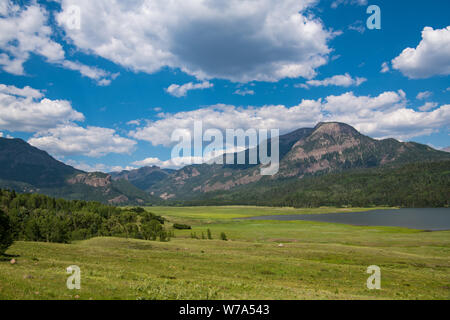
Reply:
x=233 y=212
x=316 y=261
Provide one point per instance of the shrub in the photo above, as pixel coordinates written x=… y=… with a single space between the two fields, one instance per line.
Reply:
x=209 y=234
x=151 y=230
x=6 y=238
x=137 y=210
x=223 y=236
x=181 y=226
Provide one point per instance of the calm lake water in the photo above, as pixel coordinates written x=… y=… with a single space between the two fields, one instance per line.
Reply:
x=433 y=219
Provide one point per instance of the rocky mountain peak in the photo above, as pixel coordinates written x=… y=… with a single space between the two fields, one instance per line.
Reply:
x=95 y=180
x=334 y=129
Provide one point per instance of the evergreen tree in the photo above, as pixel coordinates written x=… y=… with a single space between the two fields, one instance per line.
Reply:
x=6 y=238
x=209 y=234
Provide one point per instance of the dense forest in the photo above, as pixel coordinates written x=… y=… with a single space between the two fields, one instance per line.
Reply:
x=34 y=217
x=425 y=184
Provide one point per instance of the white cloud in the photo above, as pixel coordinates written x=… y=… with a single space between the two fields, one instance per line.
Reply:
x=25 y=31
x=165 y=164
x=2 y=135
x=337 y=3
x=103 y=78
x=339 y=80
x=98 y=167
x=86 y=167
x=424 y=95
x=385 y=67
x=182 y=90
x=358 y=26
x=26 y=92
x=70 y=139
x=28 y=111
x=179 y=162
x=176 y=163
x=235 y=39
x=301 y=85
x=430 y=58
x=134 y=123
x=428 y=106
x=385 y=115
x=244 y=92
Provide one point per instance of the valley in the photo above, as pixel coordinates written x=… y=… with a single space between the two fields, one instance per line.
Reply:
x=261 y=260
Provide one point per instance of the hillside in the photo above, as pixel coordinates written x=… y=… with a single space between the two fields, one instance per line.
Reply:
x=327 y=148
x=22 y=162
x=419 y=185
x=25 y=168
x=143 y=178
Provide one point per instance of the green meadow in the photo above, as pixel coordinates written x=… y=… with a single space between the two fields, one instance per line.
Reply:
x=261 y=260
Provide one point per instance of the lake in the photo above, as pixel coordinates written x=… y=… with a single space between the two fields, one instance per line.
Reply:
x=431 y=219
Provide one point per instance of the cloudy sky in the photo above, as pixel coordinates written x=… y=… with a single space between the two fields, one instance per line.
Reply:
x=106 y=91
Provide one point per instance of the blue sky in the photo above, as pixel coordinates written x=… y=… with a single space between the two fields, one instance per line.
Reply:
x=107 y=95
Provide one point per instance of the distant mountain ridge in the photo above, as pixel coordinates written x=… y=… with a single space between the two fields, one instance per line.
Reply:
x=327 y=148
x=22 y=162
x=25 y=168
x=143 y=178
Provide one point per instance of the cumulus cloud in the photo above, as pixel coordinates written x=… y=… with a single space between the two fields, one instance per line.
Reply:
x=97 y=167
x=71 y=139
x=235 y=39
x=424 y=95
x=103 y=78
x=26 y=92
x=358 y=26
x=176 y=163
x=385 y=67
x=27 y=110
x=385 y=115
x=182 y=90
x=430 y=58
x=337 y=3
x=345 y=80
x=428 y=106
x=179 y=162
x=244 y=92
x=25 y=30
x=165 y=164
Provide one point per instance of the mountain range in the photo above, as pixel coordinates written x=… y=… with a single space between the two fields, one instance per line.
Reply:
x=25 y=168
x=305 y=155
x=327 y=148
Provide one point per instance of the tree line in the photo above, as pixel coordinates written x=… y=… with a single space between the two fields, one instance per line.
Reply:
x=416 y=185
x=35 y=217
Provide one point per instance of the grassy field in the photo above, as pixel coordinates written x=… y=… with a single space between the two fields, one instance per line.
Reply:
x=315 y=261
x=233 y=212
